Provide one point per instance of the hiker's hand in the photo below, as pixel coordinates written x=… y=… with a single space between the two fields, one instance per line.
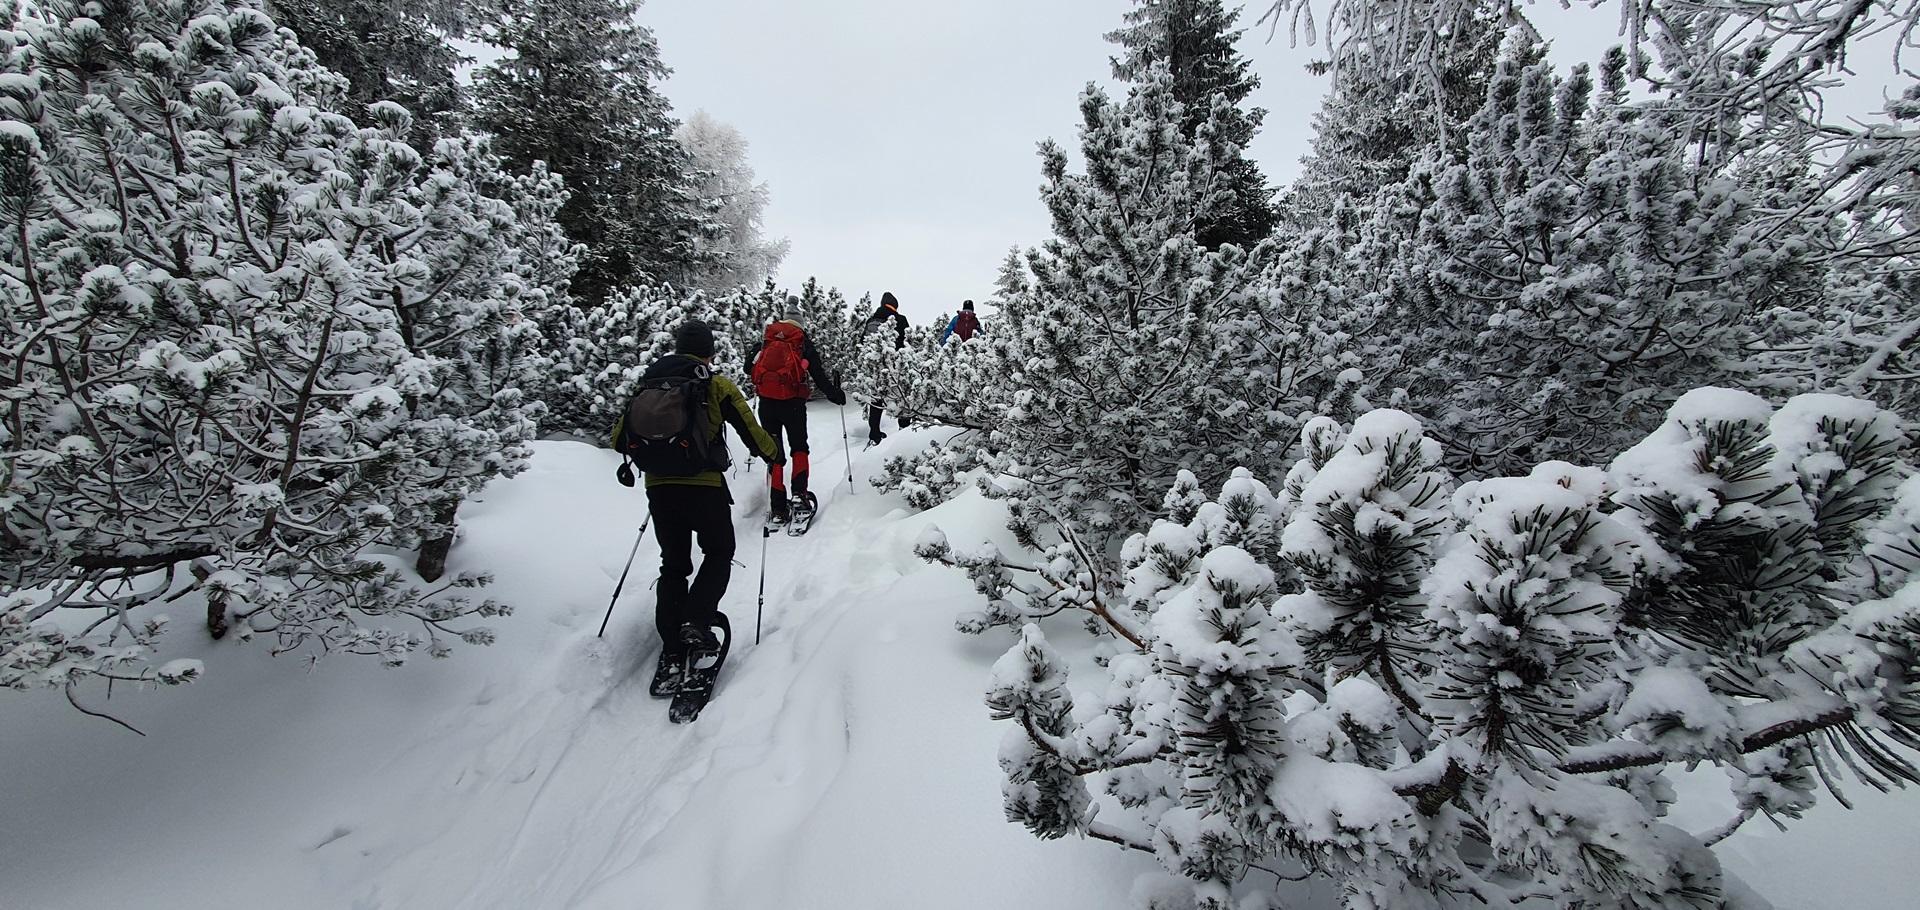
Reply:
x=837 y=396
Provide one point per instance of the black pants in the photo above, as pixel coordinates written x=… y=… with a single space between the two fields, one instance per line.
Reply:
x=788 y=418
x=681 y=514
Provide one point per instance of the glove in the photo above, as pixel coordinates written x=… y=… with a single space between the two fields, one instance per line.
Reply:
x=837 y=396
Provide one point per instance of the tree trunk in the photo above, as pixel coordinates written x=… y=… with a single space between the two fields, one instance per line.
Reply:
x=433 y=551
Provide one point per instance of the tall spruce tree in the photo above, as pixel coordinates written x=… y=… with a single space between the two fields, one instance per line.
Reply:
x=1194 y=41
x=579 y=90
x=1377 y=120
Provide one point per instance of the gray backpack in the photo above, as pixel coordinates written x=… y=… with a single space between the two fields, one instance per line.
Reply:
x=665 y=430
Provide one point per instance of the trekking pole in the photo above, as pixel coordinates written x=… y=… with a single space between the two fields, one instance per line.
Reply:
x=847 y=451
x=623 y=576
x=765 y=532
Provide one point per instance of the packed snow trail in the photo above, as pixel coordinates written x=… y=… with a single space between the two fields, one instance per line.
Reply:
x=846 y=761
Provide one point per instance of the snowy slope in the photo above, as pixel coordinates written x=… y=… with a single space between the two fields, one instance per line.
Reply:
x=847 y=761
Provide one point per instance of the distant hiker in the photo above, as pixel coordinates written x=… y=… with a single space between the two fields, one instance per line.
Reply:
x=963 y=324
x=889 y=311
x=780 y=366
x=674 y=430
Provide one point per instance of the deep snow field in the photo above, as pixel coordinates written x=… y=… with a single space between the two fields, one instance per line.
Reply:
x=846 y=762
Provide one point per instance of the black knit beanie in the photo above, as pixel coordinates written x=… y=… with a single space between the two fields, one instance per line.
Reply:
x=967 y=305
x=887 y=300
x=694 y=339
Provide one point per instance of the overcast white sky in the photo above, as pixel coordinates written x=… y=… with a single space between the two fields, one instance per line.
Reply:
x=898 y=138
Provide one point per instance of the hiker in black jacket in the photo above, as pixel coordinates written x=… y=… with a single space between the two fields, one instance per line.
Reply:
x=889 y=311
x=781 y=365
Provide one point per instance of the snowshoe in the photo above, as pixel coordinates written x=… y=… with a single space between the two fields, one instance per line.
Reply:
x=780 y=513
x=704 y=656
x=805 y=507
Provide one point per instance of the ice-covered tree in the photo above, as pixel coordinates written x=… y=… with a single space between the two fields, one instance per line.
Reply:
x=1378 y=120
x=1585 y=269
x=1737 y=589
x=725 y=185
x=249 y=339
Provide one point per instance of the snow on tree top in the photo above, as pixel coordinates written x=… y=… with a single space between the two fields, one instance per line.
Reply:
x=1712 y=404
x=1360 y=700
x=1796 y=429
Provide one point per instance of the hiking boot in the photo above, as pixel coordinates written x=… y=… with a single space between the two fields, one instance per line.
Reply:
x=695 y=639
x=874 y=440
x=780 y=514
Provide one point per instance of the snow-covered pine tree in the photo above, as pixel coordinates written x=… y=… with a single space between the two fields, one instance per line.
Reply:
x=1193 y=41
x=613 y=344
x=1741 y=588
x=579 y=91
x=1012 y=280
x=1136 y=347
x=217 y=391
x=469 y=260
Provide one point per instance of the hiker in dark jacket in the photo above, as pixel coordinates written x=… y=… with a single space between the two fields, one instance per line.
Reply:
x=963 y=324
x=889 y=311
x=781 y=364
x=697 y=506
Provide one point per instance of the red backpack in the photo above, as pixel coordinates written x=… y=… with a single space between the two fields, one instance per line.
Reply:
x=780 y=372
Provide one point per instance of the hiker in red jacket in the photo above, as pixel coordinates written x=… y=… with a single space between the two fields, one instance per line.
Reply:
x=780 y=366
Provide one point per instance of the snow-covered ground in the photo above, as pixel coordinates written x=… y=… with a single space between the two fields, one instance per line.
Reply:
x=846 y=762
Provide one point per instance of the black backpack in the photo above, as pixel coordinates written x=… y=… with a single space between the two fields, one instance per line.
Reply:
x=664 y=429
